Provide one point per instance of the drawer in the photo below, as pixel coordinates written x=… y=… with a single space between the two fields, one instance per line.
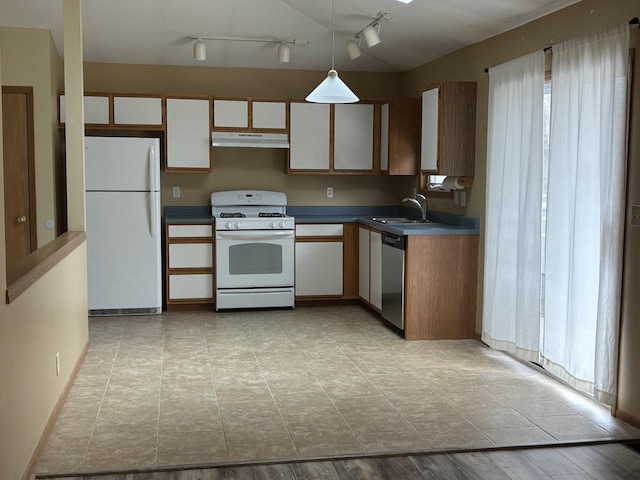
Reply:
x=190 y=231
x=196 y=286
x=190 y=255
x=319 y=230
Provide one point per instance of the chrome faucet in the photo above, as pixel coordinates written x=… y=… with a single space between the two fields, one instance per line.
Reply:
x=421 y=202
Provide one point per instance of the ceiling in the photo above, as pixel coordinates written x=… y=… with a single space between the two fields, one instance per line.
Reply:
x=157 y=31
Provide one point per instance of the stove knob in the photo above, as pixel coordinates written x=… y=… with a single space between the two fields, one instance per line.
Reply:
x=237 y=225
x=274 y=225
x=281 y=224
x=228 y=225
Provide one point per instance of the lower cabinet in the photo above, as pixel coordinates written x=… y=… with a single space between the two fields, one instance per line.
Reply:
x=370 y=267
x=189 y=264
x=319 y=260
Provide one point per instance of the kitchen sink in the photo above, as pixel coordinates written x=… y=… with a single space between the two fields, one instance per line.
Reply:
x=396 y=220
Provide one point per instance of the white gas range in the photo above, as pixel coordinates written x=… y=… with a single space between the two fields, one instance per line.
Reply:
x=254 y=249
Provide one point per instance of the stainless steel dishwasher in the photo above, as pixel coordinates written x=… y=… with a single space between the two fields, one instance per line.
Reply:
x=393 y=247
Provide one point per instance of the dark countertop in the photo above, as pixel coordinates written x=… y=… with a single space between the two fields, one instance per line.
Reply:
x=444 y=223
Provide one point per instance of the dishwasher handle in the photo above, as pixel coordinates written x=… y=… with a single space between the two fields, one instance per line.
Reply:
x=393 y=240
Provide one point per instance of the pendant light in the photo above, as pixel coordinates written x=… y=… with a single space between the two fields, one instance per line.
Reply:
x=332 y=89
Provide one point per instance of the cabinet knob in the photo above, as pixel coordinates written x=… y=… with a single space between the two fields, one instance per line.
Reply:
x=22 y=219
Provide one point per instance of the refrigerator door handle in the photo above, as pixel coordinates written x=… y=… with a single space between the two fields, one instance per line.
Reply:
x=154 y=168
x=154 y=214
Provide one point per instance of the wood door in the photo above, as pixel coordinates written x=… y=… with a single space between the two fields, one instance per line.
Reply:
x=19 y=174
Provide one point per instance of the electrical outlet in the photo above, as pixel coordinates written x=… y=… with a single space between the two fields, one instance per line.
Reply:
x=57 y=364
x=329 y=192
x=176 y=192
x=635 y=215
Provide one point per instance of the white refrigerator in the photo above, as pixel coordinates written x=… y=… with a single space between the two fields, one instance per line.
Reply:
x=122 y=183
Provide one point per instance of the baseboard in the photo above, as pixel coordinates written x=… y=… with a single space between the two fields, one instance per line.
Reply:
x=29 y=473
x=626 y=417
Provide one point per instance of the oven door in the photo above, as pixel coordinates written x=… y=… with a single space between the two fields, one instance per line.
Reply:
x=254 y=258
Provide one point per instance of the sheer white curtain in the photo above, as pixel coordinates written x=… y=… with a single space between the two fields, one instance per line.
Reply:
x=512 y=265
x=585 y=214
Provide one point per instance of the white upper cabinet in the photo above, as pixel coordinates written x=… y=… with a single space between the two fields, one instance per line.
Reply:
x=429 y=139
x=96 y=109
x=353 y=137
x=269 y=115
x=309 y=136
x=249 y=115
x=231 y=114
x=188 y=142
x=137 y=111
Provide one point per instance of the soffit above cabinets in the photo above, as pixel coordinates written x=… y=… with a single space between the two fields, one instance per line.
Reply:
x=157 y=32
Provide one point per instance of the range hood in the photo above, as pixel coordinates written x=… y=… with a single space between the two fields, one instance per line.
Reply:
x=251 y=140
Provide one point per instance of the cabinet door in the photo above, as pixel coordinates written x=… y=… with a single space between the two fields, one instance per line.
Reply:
x=429 y=138
x=137 y=111
x=196 y=286
x=318 y=268
x=188 y=145
x=269 y=115
x=190 y=255
x=363 y=263
x=309 y=136
x=231 y=113
x=96 y=110
x=384 y=137
x=375 y=269
x=353 y=137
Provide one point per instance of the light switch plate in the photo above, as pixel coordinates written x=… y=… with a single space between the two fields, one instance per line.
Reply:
x=176 y=192
x=635 y=215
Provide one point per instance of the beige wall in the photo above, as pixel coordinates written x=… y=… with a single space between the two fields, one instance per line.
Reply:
x=255 y=168
x=29 y=55
x=49 y=318
x=469 y=63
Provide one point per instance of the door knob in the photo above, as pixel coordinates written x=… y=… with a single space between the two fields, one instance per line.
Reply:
x=22 y=219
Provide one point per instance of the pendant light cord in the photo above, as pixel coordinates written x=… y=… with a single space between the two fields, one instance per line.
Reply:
x=333 y=35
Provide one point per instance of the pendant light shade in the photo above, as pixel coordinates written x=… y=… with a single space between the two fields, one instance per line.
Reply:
x=332 y=89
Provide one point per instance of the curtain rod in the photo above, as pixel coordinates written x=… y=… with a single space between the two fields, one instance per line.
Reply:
x=633 y=21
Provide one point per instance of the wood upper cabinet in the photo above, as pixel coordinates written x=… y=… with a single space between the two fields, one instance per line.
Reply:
x=448 y=129
x=133 y=110
x=188 y=139
x=400 y=136
x=309 y=136
x=353 y=136
x=250 y=115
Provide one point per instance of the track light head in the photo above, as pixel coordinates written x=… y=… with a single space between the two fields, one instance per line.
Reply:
x=284 y=53
x=199 y=50
x=353 y=49
x=371 y=36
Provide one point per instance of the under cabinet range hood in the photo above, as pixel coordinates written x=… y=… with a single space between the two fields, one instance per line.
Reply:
x=249 y=140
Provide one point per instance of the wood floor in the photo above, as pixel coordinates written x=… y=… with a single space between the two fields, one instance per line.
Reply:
x=611 y=461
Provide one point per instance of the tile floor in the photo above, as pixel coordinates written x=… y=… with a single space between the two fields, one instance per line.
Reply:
x=194 y=388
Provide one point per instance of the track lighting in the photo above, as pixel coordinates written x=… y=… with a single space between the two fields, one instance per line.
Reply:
x=199 y=51
x=370 y=33
x=353 y=49
x=284 y=50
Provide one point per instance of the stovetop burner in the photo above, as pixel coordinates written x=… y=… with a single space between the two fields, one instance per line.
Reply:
x=232 y=215
x=271 y=214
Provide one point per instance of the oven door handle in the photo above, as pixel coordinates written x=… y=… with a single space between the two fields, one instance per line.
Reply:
x=255 y=234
